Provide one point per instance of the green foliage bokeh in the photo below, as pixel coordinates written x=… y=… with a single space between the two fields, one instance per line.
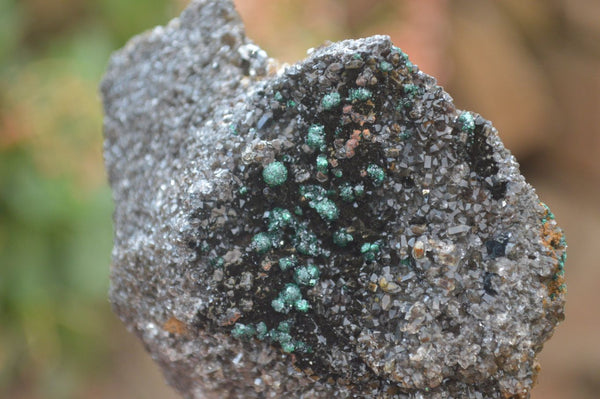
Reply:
x=55 y=204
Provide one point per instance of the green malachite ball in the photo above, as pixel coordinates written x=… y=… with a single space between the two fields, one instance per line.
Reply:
x=275 y=174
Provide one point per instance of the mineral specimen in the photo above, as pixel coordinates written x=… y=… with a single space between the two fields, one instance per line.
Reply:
x=335 y=228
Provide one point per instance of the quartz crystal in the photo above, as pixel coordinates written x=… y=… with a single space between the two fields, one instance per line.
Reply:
x=331 y=229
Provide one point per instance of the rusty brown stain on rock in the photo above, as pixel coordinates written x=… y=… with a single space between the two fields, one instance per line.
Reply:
x=175 y=326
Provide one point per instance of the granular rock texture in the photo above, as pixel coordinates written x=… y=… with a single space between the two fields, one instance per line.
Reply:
x=335 y=228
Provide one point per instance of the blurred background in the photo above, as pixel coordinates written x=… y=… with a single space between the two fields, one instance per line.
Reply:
x=533 y=68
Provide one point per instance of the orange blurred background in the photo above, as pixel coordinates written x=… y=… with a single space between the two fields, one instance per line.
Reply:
x=532 y=68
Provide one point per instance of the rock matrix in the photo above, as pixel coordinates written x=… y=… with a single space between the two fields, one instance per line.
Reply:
x=331 y=229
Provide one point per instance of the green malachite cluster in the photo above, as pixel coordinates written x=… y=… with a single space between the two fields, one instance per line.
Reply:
x=288 y=262
x=280 y=335
x=322 y=163
x=305 y=242
x=315 y=138
x=370 y=251
x=559 y=274
x=408 y=64
x=261 y=243
x=279 y=219
x=342 y=238
x=376 y=173
x=549 y=215
x=385 y=66
x=347 y=192
x=284 y=228
x=330 y=101
x=242 y=331
x=275 y=174
x=319 y=201
x=359 y=94
x=326 y=208
x=217 y=262
x=466 y=122
x=411 y=91
x=290 y=298
x=307 y=275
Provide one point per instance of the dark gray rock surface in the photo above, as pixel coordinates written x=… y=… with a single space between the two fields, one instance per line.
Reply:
x=336 y=228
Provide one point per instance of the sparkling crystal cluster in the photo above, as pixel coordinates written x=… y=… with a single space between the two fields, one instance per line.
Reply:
x=335 y=228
